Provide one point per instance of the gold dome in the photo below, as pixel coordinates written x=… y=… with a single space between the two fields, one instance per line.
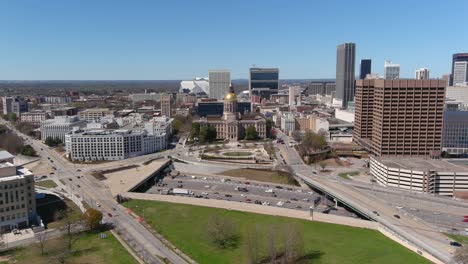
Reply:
x=230 y=97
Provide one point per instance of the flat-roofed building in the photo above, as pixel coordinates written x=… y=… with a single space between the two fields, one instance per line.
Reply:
x=263 y=82
x=92 y=114
x=34 y=117
x=400 y=117
x=17 y=197
x=59 y=126
x=220 y=80
x=166 y=101
x=420 y=175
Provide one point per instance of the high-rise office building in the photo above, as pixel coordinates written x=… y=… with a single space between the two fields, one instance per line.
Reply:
x=219 y=83
x=366 y=67
x=345 y=60
x=166 y=105
x=400 y=117
x=391 y=71
x=294 y=96
x=263 y=82
x=14 y=105
x=459 y=67
x=422 y=74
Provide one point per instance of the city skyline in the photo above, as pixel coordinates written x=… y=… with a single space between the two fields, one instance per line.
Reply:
x=161 y=41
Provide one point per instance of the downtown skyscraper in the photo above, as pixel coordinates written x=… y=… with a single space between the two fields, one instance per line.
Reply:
x=220 y=80
x=459 y=69
x=345 y=61
x=365 y=68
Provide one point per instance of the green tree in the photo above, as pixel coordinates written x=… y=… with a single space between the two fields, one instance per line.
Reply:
x=270 y=130
x=28 y=150
x=92 y=218
x=176 y=126
x=207 y=133
x=12 y=117
x=52 y=142
x=195 y=131
x=314 y=140
x=251 y=133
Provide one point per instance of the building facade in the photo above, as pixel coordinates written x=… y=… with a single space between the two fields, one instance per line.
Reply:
x=59 y=126
x=108 y=144
x=366 y=68
x=232 y=125
x=34 y=117
x=400 y=117
x=420 y=175
x=422 y=74
x=391 y=70
x=14 y=105
x=93 y=114
x=455 y=132
x=263 y=82
x=345 y=63
x=166 y=105
x=459 y=68
x=294 y=96
x=17 y=195
x=220 y=80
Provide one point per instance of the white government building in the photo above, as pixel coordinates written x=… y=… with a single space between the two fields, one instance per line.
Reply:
x=117 y=144
x=59 y=126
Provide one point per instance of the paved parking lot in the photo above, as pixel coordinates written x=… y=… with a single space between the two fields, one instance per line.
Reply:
x=248 y=192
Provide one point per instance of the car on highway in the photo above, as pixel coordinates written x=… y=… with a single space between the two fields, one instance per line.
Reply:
x=109 y=214
x=294 y=199
x=376 y=213
x=248 y=200
x=269 y=191
x=396 y=216
x=280 y=203
x=207 y=186
x=258 y=202
x=247 y=183
x=204 y=193
x=78 y=170
x=70 y=179
x=227 y=195
x=98 y=204
x=78 y=186
x=279 y=187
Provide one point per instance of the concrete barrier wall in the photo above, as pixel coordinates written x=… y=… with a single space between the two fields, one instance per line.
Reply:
x=259 y=209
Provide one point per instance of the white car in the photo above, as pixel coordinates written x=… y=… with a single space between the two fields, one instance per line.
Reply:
x=98 y=204
x=207 y=186
x=280 y=203
x=193 y=177
x=266 y=203
x=205 y=178
x=269 y=191
x=204 y=193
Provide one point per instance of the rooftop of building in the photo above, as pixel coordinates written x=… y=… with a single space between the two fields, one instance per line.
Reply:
x=96 y=110
x=421 y=164
x=5 y=155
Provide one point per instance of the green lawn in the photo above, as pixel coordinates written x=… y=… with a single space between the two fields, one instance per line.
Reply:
x=237 y=154
x=186 y=227
x=46 y=184
x=89 y=248
x=345 y=175
x=459 y=238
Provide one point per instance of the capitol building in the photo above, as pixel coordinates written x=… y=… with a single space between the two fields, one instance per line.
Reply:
x=232 y=125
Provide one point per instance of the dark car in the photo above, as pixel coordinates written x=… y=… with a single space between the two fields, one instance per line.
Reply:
x=279 y=187
x=396 y=216
x=293 y=199
x=258 y=202
x=455 y=244
x=180 y=186
x=109 y=214
x=227 y=195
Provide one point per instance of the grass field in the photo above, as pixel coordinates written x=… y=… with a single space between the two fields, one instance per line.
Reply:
x=186 y=227
x=345 y=175
x=262 y=175
x=89 y=248
x=46 y=184
x=237 y=154
x=459 y=238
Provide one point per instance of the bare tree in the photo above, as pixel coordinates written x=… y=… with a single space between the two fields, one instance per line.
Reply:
x=223 y=231
x=293 y=244
x=42 y=238
x=272 y=244
x=69 y=222
x=323 y=165
x=461 y=255
x=253 y=244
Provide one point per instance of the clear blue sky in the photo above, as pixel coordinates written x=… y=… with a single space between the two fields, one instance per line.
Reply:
x=175 y=39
